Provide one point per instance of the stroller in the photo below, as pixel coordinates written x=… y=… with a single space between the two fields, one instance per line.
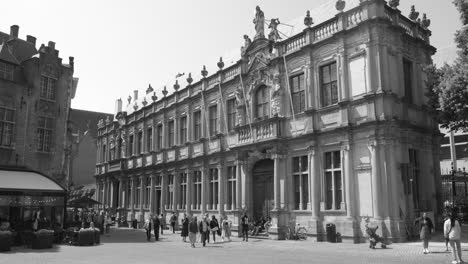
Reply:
x=374 y=238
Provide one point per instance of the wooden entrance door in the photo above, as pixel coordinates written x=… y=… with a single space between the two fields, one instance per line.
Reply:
x=263 y=191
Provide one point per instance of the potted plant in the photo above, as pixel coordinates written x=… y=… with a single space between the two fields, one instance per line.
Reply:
x=43 y=238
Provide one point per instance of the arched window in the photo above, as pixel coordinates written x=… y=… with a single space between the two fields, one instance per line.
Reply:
x=262 y=100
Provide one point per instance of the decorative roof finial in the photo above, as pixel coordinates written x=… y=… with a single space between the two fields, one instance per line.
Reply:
x=204 y=72
x=308 y=21
x=340 y=5
x=413 y=15
x=394 y=3
x=135 y=106
x=154 y=97
x=220 y=63
x=144 y=102
x=189 y=78
x=149 y=89
x=164 y=91
x=425 y=22
x=176 y=85
x=129 y=99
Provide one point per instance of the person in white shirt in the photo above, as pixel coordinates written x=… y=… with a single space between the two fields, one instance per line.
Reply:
x=452 y=231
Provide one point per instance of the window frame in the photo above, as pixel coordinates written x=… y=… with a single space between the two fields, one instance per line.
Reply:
x=44 y=134
x=231 y=114
x=197 y=188
x=7 y=126
x=183 y=190
x=262 y=105
x=333 y=194
x=300 y=92
x=213 y=189
x=213 y=119
x=301 y=181
x=324 y=86
x=197 y=125
x=48 y=88
x=231 y=190
x=171 y=133
x=170 y=193
x=183 y=130
x=7 y=71
x=160 y=139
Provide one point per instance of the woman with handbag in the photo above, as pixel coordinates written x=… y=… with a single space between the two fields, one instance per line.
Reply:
x=425 y=229
x=214 y=226
x=452 y=231
x=226 y=225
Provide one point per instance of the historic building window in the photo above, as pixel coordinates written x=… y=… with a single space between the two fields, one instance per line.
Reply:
x=333 y=186
x=159 y=143
x=44 y=133
x=231 y=114
x=101 y=193
x=170 y=191
x=183 y=190
x=413 y=176
x=183 y=129
x=262 y=102
x=231 y=187
x=149 y=139
x=170 y=127
x=6 y=71
x=213 y=190
x=138 y=193
x=148 y=192
x=213 y=116
x=328 y=84
x=301 y=183
x=7 y=125
x=139 y=143
x=197 y=125
x=298 y=93
x=130 y=145
x=407 y=76
x=47 y=88
x=197 y=188
x=104 y=149
x=129 y=194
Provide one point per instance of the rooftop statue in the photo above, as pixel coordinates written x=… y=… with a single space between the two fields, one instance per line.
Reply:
x=247 y=43
x=259 y=22
x=274 y=33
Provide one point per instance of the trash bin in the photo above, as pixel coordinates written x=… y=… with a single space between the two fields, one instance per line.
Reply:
x=331 y=233
x=134 y=223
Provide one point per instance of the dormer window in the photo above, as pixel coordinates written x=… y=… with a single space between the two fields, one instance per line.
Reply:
x=48 y=88
x=6 y=71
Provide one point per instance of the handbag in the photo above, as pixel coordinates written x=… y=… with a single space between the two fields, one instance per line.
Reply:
x=219 y=232
x=215 y=228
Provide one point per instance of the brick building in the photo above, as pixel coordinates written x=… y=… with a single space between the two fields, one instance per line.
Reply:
x=326 y=126
x=36 y=89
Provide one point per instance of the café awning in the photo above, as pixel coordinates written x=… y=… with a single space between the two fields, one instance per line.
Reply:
x=27 y=180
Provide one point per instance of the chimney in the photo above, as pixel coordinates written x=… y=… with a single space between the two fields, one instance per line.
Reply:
x=31 y=40
x=135 y=95
x=71 y=61
x=14 y=32
x=118 y=106
x=51 y=45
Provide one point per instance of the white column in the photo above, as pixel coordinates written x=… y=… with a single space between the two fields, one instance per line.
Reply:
x=348 y=180
x=132 y=197
x=104 y=196
x=376 y=181
x=142 y=197
x=176 y=191
x=163 y=192
x=314 y=179
x=119 y=205
x=204 y=189
x=189 y=193
x=151 y=201
x=238 y=185
x=276 y=181
x=221 y=188
x=369 y=83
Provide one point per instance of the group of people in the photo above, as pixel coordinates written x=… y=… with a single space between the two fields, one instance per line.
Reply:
x=191 y=228
x=452 y=233
x=94 y=219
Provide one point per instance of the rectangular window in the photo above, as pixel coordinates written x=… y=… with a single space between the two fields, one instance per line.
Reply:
x=407 y=75
x=138 y=193
x=130 y=145
x=328 y=84
x=183 y=191
x=103 y=159
x=149 y=139
x=7 y=125
x=183 y=130
x=231 y=187
x=139 y=146
x=298 y=93
x=333 y=181
x=44 y=133
x=170 y=131
x=170 y=191
x=129 y=194
x=159 y=130
x=213 y=190
x=197 y=125
x=47 y=88
x=6 y=71
x=301 y=182
x=231 y=114
x=413 y=175
x=197 y=187
x=148 y=192
x=213 y=116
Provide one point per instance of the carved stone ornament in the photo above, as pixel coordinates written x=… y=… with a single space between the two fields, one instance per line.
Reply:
x=129 y=99
x=144 y=102
x=135 y=106
x=394 y=3
x=220 y=63
x=274 y=33
x=276 y=97
x=308 y=21
x=340 y=5
x=164 y=91
x=154 y=97
x=204 y=72
x=425 y=23
x=413 y=15
x=259 y=22
x=247 y=42
x=149 y=89
x=176 y=85
x=189 y=78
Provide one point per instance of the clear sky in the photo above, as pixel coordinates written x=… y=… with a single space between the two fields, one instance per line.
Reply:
x=122 y=45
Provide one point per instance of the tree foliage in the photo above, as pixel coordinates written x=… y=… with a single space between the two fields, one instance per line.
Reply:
x=448 y=85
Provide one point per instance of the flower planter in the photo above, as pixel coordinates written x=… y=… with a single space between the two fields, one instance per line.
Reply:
x=43 y=239
x=86 y=237
x=5 y=240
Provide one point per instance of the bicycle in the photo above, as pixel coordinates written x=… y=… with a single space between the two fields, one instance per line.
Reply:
x=296 y=233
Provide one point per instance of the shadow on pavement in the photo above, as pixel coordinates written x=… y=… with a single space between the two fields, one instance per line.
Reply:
x=15 y=250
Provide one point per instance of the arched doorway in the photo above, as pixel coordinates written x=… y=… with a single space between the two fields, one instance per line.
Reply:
x=263 y=190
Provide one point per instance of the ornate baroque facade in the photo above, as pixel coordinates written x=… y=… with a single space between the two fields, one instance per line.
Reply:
x=327 y=126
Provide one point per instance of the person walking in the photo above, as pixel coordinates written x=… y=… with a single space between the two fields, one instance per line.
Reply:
x=101 y=222
x=452 y=231
x=162 y=221
x=204 y=228
x=245 y=227
x=226 y=226
x=214 y=226
x=156 y=225
x=173 y=222
x=425 y=229
x=149 y=224
x=207 y=219
x=445 y=216
x=185 y=231
x=193 y=230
